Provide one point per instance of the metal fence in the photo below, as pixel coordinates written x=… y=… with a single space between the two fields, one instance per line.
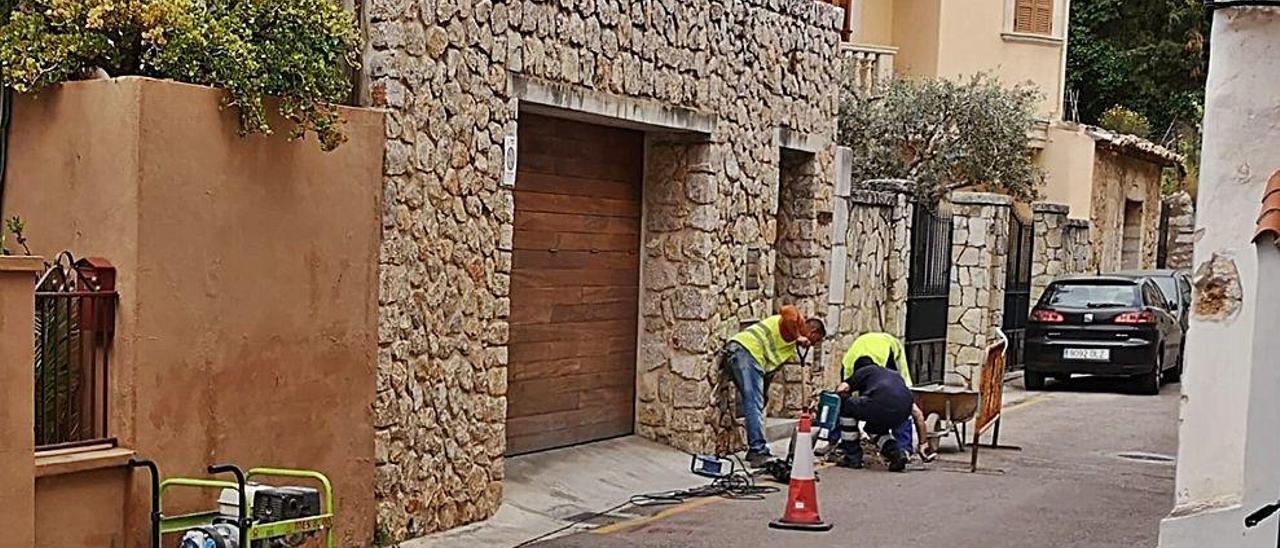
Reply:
x=928 y=291
x=74 y=328
x=1017 y=289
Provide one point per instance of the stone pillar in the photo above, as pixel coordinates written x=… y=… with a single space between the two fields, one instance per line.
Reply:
x=1049 y=222
x=1228 y=444
x=1062 y=246
x=677 y=365
x=1180 y=233
x=17 y=421
x=800 y=269
x=979 y=254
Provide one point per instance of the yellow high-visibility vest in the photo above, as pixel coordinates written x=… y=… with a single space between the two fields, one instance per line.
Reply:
x=879 y=347
x=764 y=341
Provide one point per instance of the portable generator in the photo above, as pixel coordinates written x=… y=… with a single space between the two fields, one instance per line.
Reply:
x=249 y=514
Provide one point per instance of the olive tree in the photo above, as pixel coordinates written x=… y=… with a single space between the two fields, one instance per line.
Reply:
x=943 y=134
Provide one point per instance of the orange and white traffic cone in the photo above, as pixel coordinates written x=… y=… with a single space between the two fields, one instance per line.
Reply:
x=802 y=493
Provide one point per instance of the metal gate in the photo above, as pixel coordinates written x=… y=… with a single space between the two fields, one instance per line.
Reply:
x=1017 y=289
x=928 y=292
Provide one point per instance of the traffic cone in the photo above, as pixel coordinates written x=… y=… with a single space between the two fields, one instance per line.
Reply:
x=801 y=512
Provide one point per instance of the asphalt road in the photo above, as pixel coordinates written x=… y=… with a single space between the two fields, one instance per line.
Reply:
x=1067 y=487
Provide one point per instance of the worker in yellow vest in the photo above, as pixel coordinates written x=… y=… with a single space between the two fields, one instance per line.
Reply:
x=886 y=351
x=754 y=356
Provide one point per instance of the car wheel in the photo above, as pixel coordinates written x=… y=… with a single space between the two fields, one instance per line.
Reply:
x=1175 y=374
x=1149 y=383
x=1033 y=381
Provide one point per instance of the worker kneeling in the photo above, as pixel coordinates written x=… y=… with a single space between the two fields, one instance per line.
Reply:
x=883 y=402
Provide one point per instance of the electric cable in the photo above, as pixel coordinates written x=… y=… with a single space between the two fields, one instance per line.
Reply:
x=738 y=485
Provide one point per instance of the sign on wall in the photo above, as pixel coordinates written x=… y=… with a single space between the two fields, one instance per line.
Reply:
x=510 y=149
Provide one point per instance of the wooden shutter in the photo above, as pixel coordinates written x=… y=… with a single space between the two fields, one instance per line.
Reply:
x=1044 y=17
x=1033 y=16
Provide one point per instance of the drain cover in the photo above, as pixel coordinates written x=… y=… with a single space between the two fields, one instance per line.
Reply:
x=1147 y=457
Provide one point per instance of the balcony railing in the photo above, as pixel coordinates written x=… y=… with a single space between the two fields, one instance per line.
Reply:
x=74 y=328
x=868 y=65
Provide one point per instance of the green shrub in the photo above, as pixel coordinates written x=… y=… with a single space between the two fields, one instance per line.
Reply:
x=297 y=50
x=1122 y=120
x=943 y=134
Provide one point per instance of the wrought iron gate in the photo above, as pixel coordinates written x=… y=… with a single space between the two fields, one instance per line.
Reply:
x=1017 y=289
x=928 y=292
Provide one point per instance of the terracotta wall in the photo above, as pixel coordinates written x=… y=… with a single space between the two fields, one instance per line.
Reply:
x=1116 y=179
x=17 y=307
x=247 y=275
x=83 y=509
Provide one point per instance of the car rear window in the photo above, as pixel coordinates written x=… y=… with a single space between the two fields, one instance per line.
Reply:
x=1091 y=294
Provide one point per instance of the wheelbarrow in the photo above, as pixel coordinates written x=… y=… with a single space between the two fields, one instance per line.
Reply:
x=954 y=406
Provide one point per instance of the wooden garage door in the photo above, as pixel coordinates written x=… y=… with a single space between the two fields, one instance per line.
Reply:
x=574 y=284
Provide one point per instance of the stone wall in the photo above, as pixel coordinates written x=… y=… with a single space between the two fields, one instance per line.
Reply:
x=1118 y=179
x=869 y=261
x=1180 y=234
x=800 y=271
x=979 y=255
x=1062 y=246
x=445 y=70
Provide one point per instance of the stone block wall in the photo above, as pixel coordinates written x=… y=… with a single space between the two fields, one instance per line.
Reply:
x=444 y=70
x=869 y=261
x=1117 y=180
x=1062 y=246
x=1180 y=234
x=979 y=255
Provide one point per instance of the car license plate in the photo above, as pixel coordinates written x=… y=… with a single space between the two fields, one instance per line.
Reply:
x=1099 y=354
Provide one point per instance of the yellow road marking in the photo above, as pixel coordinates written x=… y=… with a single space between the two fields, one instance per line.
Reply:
x=1029 y=402
x=677 y=509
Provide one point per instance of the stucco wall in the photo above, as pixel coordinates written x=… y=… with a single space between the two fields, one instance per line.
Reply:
x=971 y=41
x=445 y=70
x=875 y=20
x=246 y=272
x=17 y=478
x=1067 y=160
x=1118 y=178
x=917 y=27
x=84 y=509
x=1227 y=449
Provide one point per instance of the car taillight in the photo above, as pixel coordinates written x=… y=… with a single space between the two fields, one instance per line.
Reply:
x=1144 y=317
x=1046 y=316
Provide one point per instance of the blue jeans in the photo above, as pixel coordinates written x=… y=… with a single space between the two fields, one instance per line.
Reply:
x=903 y=434
x=748 y=377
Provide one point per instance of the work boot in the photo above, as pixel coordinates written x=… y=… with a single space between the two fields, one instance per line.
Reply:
x=848 y=456
x=758 y=460
x=895 y=457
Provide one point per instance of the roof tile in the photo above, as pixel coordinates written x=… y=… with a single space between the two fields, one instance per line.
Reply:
x=1269 y=219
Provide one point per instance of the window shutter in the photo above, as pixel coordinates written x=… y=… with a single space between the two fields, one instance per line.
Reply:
x=1024 y=15
x=1033 y=16
x=1044 y=17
